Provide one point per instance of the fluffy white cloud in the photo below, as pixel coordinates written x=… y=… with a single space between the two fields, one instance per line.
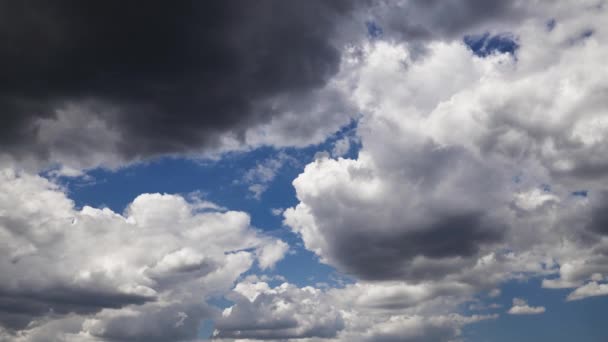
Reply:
x=262 y=312
x=358 y=312
x=144 y=274
x=472 y=170
x=521 y=307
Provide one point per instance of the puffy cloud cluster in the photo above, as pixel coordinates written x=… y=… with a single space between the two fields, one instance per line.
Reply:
x=474 y=168
x=283 y=312
x=359 y=312
x=92 y=273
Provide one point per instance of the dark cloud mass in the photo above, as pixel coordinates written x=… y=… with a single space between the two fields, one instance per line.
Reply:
x=379 y=256
x=598 y=220
x=18 y=307
x=167 y=77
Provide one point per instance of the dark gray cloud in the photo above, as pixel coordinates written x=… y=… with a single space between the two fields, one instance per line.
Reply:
x=168 y=78
x=598 y=220
x=19 y=307
x=380 y=256
x=170 y=323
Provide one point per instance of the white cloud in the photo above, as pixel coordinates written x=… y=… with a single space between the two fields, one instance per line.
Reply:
x=141 y=274
x=591 y=289
x=520 y=307
x=468 y=165
x=283 y=312
x=359 y=312
x=271 y=253
x=277 y=211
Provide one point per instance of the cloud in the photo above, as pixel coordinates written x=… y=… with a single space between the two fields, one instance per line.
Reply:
x=271 y=253
x=161 y=79
x=591 y=289
x=144 y=274
x=470 y=173
x=428 y=20
x=467 y=167
x=358 y=312
x=284 y=312
x=341 y=200
x=419 y=328
x=341 y=147
x=260 y=176
x=186 y=79
x=520 y=307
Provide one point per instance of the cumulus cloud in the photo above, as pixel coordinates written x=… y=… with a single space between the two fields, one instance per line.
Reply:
x=139 y=275
x=284 y=312
x=359 y=312
x=521 y=307
x=414 y=201
x=469 y=170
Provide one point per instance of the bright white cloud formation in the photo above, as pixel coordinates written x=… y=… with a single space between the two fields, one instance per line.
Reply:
x=82 y=273
x=358 y=312
x=521 y=307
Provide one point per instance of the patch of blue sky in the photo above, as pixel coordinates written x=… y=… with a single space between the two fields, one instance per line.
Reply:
x=580 y=193
x=551 y=23
x=486 y=44
x=582 y=320
x=373 y=29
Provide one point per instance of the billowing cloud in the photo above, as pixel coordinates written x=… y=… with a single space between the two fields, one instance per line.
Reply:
x=359 y=312
x=469 y=170
x=143 y=274
x=284 y=312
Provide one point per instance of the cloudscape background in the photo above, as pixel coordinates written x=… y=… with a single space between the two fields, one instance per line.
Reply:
x=409 y=170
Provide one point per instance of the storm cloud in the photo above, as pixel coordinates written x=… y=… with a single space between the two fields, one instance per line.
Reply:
x=164 y=78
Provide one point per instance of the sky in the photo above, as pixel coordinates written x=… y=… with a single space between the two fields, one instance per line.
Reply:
x=311 y=171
